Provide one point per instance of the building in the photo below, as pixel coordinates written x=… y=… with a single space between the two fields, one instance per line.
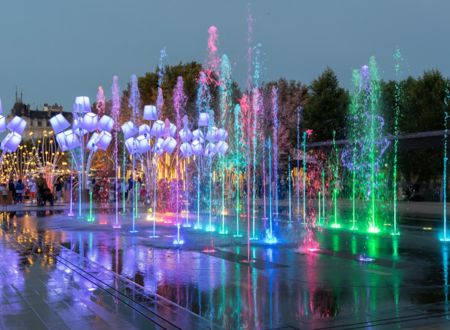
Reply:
x=38 y=120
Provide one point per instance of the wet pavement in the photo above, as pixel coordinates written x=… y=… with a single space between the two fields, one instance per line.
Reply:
x=60 y=272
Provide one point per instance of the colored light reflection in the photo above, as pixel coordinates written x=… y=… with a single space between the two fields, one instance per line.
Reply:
x=270 y=238
x=364 y=258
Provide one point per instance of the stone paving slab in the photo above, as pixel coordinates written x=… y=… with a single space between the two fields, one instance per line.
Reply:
x=36 y=296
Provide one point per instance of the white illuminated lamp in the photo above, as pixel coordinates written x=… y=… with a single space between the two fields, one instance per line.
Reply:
x=169 y=145
x=186 y=150
x=221 y=134
x=197 y=148
x=72 y=140
x=106 y=123
x=61 y=139
x=82 y=104
x=221 y=147
x=129 y=129
x=10 y=142
x=185 y=135
x=158 y=128
x=210 y=149
x=150 y=112
x=129 y=143
x=17 y=125
x=142 y=144
x=90 y=121
x=172 y=130
x=198 y=135
x=92 y=143
x=211 y=134
x=203 y=119
x=104 y=139
x=158 y=146
x=59 y=123
x=77 y=127
x=145 y=130
x=2 y=123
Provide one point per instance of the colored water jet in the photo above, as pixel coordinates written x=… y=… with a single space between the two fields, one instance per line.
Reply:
x=134 y=103
x=225 y=103
x=299 y=110
x=397 y=96
x=445 y=238
x=238 y=164
x=115 y=116
x=257 y=108
x=305 y=169
x=179 y=103
x=335 y=191
x=275 y=145
x=289 y=189
x=270 y=237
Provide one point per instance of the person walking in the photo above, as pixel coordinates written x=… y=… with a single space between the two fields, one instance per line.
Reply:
x=58 y=189
x=20 y=188
x=130 y=190
x=4 y=194
x=33 y=190
x=11 y=191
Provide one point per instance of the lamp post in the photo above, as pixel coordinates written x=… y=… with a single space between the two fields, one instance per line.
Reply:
x=73 y=138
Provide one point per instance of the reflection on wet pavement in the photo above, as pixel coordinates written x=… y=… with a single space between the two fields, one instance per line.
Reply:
x=349 y=281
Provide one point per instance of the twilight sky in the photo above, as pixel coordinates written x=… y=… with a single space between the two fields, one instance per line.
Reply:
x=54 y=50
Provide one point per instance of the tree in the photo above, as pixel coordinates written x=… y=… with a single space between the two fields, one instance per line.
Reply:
x=291 y=95
x=326 y=107
x=423 y=103
x=148 y=85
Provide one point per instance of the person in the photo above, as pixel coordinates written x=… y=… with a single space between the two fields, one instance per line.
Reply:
x=130 y=189
x=58 y=189
x=143 y=193
x=41 y=185
x=4 y=194
x=33 y=189
x=12 y=191
x=20 y=188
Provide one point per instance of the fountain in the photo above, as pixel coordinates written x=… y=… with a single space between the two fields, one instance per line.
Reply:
x=397 y=96
x=305 y=173
x=336 y=182
x=179 y=104
x=275 y=146
x=257 y=109
x=365 y=154
x=270 y=237
x=445 y=238
x=225 y=103
x=239 y=163
x=115 y=111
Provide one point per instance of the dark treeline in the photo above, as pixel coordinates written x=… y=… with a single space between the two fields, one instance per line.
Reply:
x=324 y=106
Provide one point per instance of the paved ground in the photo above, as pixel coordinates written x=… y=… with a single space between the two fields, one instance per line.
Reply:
x=59 y=272
x=35 y=294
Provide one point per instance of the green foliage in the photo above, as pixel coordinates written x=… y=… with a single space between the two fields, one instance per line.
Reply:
x=326 y=107
x=291 y=95
x=422 y=109
x=148 y=86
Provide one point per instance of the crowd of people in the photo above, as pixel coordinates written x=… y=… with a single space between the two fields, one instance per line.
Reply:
x=34 y=190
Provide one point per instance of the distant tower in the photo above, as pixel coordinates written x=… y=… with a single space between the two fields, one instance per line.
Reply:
x=19 y=100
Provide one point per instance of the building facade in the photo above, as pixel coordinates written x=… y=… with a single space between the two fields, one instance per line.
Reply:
x=38 y=120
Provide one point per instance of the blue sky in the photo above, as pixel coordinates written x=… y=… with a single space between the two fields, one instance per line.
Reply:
x=54 y=50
